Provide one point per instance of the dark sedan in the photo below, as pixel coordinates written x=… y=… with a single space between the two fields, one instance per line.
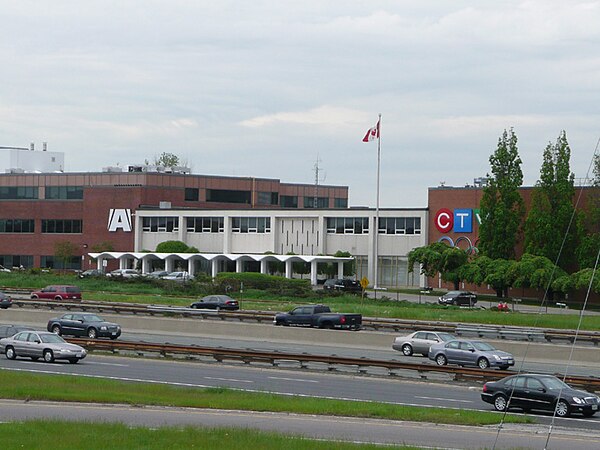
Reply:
x=458 y=298
x=539 y=392
x=216 y=302
x=5 y=301
x=90 y=325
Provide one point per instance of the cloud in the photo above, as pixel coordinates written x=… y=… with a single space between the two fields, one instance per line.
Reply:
x=323 y=116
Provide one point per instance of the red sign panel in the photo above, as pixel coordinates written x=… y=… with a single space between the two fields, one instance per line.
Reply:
x=444 y=220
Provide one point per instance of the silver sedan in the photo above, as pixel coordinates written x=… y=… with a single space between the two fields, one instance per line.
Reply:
x=420 y=341
x=41 y=344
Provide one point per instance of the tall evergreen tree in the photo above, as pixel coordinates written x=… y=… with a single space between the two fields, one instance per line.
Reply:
x=502 y=207
x=551 y=229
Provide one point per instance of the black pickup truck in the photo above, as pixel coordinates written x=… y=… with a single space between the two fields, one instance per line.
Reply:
x=318 y=316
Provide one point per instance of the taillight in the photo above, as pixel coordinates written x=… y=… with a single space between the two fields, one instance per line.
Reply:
x=485 y=387
x=343 y=319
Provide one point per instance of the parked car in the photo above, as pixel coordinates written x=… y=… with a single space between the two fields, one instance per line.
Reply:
x=58 y=292
x=420 y=341
x=91 y=273
x=41 y=344
x=470 y=353
x=539 y=392
x=318 y=316
x=5 y=301
x=342 y=284
x=216 y=302
x=123 y=273
x=157 y=274
x=178 y=276
x=4 y=269
x=81 y=324
x=11 y=330
x=458 y=298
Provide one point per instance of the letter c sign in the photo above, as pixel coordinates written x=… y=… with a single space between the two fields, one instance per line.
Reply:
x=444 y=220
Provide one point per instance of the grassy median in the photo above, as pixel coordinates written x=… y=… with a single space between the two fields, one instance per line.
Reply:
x=29 y=386
x=59 y=435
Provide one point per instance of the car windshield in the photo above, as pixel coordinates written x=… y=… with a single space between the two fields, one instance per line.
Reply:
x=484 y=346
x=452 y=294
x=92 y=318
x=445 y=337
x=52 y=339
x=554 y=383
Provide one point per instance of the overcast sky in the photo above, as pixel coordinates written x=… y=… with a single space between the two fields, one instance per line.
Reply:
x=264 y=88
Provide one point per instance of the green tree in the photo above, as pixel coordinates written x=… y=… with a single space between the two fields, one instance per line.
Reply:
x=173 y=247
x=439 y=258
x=536 y=272
x=551 y=227
x=502 y=207
x=104 y=246
x=589 y=222
x=65 y=251
x=166 y=160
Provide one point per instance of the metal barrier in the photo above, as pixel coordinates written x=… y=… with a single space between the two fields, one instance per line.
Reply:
x=276 y=358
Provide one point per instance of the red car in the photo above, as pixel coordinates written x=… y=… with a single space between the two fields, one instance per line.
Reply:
x=58 y=292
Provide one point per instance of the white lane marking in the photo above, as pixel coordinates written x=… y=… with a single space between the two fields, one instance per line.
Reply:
x=228 y=379
x=444 y=399
x=107 y=364
x=292 y=379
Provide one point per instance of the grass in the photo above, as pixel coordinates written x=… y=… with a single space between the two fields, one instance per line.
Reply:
x=29 y=386
x=40 y=434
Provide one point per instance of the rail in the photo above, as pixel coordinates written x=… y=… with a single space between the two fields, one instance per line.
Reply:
x=377 y=324
x=276 y=358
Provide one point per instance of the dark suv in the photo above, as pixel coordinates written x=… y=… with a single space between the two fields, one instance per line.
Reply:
x=58 y=292
x=458 y=298
x=342 y=284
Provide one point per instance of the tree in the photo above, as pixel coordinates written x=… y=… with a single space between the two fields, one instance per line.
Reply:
x=166 y=160
x=589 y=222
x=551 y=229
x=439 y=258
x=104 y=246
x=173 y=247
x=536 y=272
x=65 y=251
x=502 y=207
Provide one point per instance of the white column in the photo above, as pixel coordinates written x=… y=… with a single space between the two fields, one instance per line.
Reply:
x=123 y=262
x=340 y=269
x=145 y=265
x=169 y=265
x=288 y=268
x=191 y=267
x=264 y=266
x=313 y=273
x=99 y=264
x=214 y=267
x=239 y=266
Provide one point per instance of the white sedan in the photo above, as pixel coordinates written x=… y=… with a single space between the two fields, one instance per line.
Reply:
x=420 y=341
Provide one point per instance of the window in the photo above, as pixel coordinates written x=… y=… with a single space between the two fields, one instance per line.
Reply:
x=340 y=202
x=18 y=193
x=289 y=201
x=267 y=198
x=347 y=225
x=9 y=261
x=322 y=202
x=250 y=224
x=204 y=224
x=52 y=262
x=67 y=226
x=227 y=196
x=400 y=225
x=17 y=226
x=191 y=194
x=64 y=192
x=160 y=224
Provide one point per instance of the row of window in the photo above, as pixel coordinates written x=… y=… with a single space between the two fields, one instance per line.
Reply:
x=205 y=224
x=400 y=225
x=32 y=192
x=348 y=225
x=387 y=225
x=48 y=226
x=10 y=261
x=17 y=225
x=251 y=224
x=160 y=224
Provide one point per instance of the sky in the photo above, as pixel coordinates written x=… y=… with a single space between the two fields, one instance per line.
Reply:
x=271 y=88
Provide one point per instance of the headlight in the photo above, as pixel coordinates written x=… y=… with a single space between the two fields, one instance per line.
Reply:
x=497 y=358
x=578 y=400
x=103 y=328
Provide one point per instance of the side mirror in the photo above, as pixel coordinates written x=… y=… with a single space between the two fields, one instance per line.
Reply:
x=37 y=341
x=472 y=350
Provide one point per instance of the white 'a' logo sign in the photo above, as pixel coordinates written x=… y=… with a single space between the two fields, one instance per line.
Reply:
x=119 y=218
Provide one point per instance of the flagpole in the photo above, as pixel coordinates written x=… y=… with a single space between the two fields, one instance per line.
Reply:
x=375 y=285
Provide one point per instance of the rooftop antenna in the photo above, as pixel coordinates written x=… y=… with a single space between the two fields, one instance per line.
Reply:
x=317 y=181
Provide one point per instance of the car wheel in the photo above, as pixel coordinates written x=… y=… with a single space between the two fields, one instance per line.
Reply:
x=48 y=356
x=503 y=367
x=483 y=363
x=500 y=403
x=562 y=408
x=58 y=298
x=10 y=353
x=74 y=360
x=441 y=360
x=56 y=329
x=193 y=306
x=113 y=337
x=34 y=297
x=407 y=350
x=92 y=333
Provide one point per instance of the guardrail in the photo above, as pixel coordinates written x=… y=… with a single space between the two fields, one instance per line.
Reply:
x=277 y=358
x=377 y=324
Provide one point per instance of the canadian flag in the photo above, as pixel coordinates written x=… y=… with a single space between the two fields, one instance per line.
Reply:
x=372 y=134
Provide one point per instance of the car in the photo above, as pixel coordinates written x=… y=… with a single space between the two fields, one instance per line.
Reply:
x=4 y=269
x=157 y=274
x=178 y=276
x=58 y=292
x=11 y=330
x=216 y=302
x=539 y=392
x=123 y=273
x=41 y=344
x=470 y=353
x=91 y=273
x=342 y=284
x=83 y=324
x=458 y=298
x=5 y=301
x=420 y=341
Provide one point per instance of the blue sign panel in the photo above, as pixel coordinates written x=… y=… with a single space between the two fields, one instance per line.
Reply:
x=463 y=221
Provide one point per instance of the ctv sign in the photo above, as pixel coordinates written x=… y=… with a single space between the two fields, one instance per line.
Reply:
x=458 y=220
x=119 y=219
